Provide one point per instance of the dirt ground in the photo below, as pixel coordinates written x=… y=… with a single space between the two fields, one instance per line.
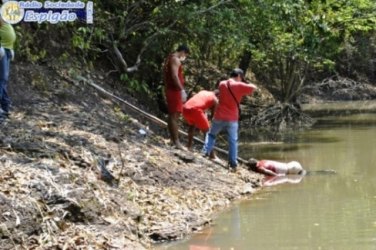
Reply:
x=80 y=171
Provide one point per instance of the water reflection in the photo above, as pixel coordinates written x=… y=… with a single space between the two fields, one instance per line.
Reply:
x=196 y=247
x=202 y=242
x=340 y=108
x=277 y=180
x=216 y=240
x=337 y=122
x=273 y=148
x=317 y=137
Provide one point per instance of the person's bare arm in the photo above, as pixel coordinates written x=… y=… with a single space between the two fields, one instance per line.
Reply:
x=267 y=171
x=253 y=86
x=246 y=88
x=175 y=64
x=213 y=108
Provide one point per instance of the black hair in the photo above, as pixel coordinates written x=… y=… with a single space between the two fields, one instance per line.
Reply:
x=222 y=78
x=252 y=164
x=237 y=72
x=183 y=48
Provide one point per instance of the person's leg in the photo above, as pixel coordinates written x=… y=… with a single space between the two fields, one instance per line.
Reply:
x=170 y=127
x=212 y=154
x=204 y=148
x=175 y=107
x=4 y=76
x=173 y=127
x=5 y=102
x=192 y=117
x=216 y=127
x=232 y=131
x=191 y=131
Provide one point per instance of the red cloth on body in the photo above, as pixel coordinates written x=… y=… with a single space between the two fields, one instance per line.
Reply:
x=173 y=94
x=194 y=109
x=227 y=109
x=174 y=102
x=274 y=166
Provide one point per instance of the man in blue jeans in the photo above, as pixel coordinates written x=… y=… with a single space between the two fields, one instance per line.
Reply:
x=226 y=115
x=7 y=39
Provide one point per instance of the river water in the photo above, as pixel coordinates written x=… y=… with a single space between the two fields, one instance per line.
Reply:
x=319 y=211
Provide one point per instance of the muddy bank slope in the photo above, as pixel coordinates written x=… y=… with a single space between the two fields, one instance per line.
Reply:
x=55 y=191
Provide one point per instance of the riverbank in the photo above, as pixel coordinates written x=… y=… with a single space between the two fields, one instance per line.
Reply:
x=54 y=192
x=339 y=108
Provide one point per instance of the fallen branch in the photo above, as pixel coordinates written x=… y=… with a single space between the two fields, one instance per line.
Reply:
x=123 y=63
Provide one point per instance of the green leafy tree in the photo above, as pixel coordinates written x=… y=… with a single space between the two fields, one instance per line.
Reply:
x=290 y=39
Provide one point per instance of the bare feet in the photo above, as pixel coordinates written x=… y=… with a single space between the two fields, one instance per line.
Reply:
x=178 y=145
x=218 y=161
x=213 y=156
x=234 y=170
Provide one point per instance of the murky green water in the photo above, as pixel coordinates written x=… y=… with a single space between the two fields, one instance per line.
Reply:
x=321 y=211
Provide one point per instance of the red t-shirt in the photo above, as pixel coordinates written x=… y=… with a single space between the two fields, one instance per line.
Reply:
x=169 y=82
x=227 y=109
x=203 y=100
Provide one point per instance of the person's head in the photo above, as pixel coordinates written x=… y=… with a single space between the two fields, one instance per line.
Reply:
x=237 y=74
x=294 y=167
x=252 y=163
x=182 y=51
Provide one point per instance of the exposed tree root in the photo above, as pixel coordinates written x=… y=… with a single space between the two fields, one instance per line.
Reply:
x=339 y=88
x=281 y=117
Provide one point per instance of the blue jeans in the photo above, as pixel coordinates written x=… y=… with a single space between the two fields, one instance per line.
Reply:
x=4 y=77
x=232 y=135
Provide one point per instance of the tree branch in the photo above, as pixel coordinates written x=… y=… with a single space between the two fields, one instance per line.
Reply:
x=212 y=7
x=120 y=58
x=148 y=40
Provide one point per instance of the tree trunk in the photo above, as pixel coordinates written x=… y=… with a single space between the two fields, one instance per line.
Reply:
x=245 y=61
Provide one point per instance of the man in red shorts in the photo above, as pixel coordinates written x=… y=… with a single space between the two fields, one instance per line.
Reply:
x=174 y=90
x=194 y=112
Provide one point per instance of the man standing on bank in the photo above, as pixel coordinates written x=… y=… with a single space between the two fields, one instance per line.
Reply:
x=7 y=38
x=226 y=115
x=174 y=90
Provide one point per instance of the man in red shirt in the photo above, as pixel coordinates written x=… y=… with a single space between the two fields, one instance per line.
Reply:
x=174 y=90
x=226 y=115
x=194 y=112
